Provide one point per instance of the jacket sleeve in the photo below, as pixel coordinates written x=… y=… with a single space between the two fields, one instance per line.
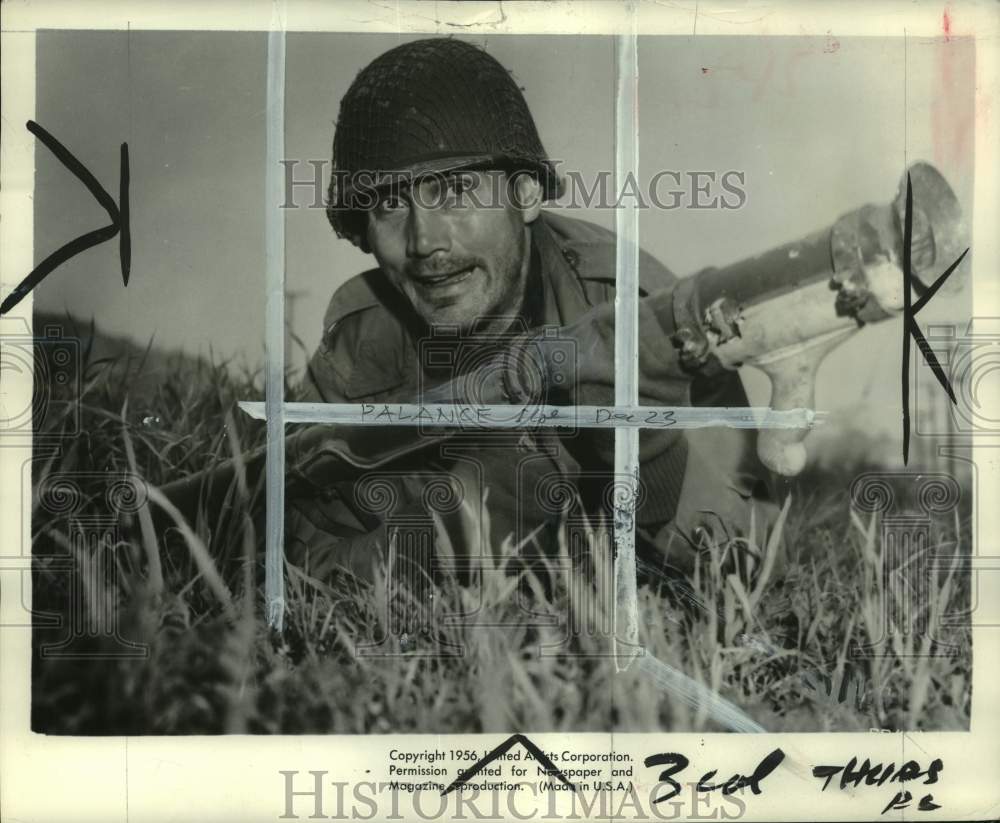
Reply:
x=691 y=477
x=708 y=478
x=322 y=382
x=334 y=365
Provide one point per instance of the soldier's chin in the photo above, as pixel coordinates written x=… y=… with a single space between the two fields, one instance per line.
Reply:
x=459 y=311
x=454 y=314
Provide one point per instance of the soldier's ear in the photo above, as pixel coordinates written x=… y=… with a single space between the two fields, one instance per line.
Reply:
x=528 y=196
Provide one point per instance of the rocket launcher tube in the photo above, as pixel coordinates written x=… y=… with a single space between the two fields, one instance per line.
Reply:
x=785 y=309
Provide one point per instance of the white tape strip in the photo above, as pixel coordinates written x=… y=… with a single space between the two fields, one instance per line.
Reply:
x=626 y=337
x=274 y=341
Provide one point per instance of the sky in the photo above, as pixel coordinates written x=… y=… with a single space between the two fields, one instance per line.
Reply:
x=817 y=126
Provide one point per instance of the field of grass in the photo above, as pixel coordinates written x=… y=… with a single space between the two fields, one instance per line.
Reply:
x=775 y=635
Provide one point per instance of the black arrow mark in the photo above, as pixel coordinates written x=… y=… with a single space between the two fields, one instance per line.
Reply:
x=503 y=748
x=910 y=326
x=119 y=219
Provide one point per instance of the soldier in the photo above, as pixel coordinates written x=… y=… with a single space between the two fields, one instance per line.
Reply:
x=439 y=172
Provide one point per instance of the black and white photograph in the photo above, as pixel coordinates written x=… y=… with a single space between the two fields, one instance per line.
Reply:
x=459 y=381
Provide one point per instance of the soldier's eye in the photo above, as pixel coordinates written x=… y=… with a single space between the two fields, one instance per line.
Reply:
x=457 y=187
x=391 y=203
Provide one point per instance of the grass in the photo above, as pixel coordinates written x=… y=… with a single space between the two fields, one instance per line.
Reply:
x=773 y=633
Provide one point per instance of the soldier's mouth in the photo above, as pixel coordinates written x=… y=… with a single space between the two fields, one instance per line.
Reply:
x=441 y=280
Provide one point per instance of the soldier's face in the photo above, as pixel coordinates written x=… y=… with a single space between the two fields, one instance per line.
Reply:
x=457 y=245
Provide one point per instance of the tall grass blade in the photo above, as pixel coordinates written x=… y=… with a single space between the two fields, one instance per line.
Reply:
x=199 y=553
x=149 y=541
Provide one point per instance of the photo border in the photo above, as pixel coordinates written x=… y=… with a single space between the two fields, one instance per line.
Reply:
x=160 y=778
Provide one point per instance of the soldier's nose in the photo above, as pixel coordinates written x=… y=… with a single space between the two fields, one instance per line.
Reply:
x=426 y=232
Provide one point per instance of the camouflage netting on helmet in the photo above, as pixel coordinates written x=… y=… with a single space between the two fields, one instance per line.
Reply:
x=430 y=105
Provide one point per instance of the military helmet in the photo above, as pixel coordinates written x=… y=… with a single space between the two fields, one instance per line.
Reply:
x=426 y=107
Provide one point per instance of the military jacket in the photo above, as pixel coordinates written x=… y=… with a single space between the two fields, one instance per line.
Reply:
x=371 y=349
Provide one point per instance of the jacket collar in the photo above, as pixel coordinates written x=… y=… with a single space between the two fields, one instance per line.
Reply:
x=564 y=295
